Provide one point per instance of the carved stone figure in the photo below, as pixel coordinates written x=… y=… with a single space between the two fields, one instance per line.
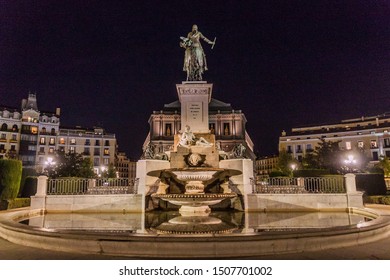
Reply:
x=188 y=138
x=195 y=63
x=239 y=151
x=149 y=151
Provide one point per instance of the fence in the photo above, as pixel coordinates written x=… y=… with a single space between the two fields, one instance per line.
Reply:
x=79 y=186
x=331 y=184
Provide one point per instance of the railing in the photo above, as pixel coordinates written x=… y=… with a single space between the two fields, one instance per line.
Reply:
x=63 y=186
x=331 y=184
x=84 y=186
x=114 y=186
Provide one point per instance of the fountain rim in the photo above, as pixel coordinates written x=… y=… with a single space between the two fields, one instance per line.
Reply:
x=112 y=244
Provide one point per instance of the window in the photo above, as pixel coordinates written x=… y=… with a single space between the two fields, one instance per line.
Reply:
x=348 y=145
x=87 y=142
x=375 y=156
x=32 y=148
x=4 y=127
x=42 y=141
x=34 y=130
x=373 y=144
x=299 y=149
x=107 y=143
x=72 y=149
x=96 y=152
x=96 y=161
x=43 y=130
x=226 y=129
x=86 y=151
x=106 y=161
x=106 y=152
x=97 y=143
x=309 y=148
x=14 y=137
x=212 y=128
x=53 y=131
x=15 y=128
x=13 y=148
x=289 y=149
x=62 y=141
x=42 y=150
x=2 y=148
x=168 y=129
x=386 y=142
x=52 y=141
x=51 y=150
x=3 y=136
x=73 y=141
x=360 y=144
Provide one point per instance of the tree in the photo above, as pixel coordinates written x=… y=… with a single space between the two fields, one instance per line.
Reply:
x=384 y=164
x=10 y=178
x=71 y=165
x=284 y=162
x=328 y=155
x=110 y=172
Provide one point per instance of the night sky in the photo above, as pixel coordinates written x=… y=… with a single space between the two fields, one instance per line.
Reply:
x=284 y=63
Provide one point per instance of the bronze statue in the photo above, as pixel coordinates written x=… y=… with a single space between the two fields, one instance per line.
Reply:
x=195 y=63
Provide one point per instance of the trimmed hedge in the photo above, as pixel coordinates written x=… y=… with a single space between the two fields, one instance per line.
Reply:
x=10 y=177
x=26 y=173
x=371 y=184
x=311 y=172
x=14 y=203
x=29 y=187
x=377 y=199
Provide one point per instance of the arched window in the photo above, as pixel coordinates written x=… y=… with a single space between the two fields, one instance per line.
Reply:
x=43 y=130
x=4 y=127
x=15 y=128
x=53 y=131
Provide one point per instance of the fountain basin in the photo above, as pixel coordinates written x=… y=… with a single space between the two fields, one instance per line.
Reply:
x=194 y=203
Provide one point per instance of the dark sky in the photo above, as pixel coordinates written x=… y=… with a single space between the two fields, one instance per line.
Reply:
x=284 y=63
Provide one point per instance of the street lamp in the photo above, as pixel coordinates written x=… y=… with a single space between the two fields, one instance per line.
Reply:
x=49 y=164
x=349 y=162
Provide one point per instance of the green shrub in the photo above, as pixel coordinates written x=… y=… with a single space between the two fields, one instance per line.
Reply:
x=29 y=188
x=276 y=173
x=26 y=173
x=371 y=184
x=18 y=203
x=10 y=177
x=310 y=172
x=377 y=199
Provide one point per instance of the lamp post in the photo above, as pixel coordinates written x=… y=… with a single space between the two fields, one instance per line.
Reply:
x=293 y=167
x=350 y=162
x=49 y=164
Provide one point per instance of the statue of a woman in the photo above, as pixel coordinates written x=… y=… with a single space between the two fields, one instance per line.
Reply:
x=195 y=63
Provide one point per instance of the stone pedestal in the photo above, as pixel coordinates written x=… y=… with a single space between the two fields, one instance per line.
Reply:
x=143 y=167
x=195 y=98
x=241 y=182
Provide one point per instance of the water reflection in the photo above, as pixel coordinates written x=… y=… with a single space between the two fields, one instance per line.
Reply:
x=172 y=222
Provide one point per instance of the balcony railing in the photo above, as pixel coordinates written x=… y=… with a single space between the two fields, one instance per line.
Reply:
x=85 y=186
x=331 y=184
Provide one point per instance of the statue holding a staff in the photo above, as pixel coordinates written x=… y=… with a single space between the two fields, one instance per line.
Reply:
x=195 y=63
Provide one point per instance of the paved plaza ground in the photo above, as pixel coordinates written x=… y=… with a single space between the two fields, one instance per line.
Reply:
x=379 y=250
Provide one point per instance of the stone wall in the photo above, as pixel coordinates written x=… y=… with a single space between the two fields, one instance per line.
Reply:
x=89 y=203
x=303 y=202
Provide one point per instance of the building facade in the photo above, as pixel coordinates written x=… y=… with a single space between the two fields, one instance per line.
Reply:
x=227 y=124
x=371 y=135
x=265 y=165
x=34 y=136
